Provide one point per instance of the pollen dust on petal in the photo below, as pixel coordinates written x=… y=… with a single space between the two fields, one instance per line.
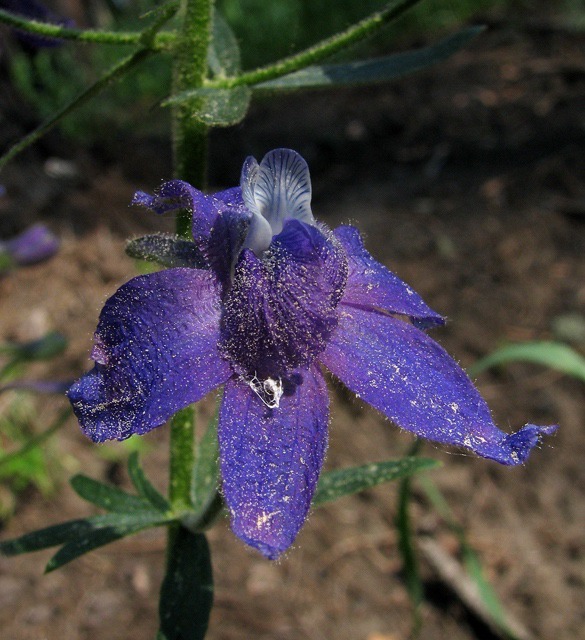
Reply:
x=264 y=518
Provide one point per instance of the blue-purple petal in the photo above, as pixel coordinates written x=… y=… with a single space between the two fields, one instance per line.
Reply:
x=220 y=221
x=155 y=352
x=407 y=376
x=371 y=285
x=35 y=244
x=271 y=459
x=281 y=309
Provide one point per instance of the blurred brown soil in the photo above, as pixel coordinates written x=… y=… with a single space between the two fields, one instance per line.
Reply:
x=469 y=182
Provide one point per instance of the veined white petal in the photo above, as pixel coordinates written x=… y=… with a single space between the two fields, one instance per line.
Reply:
x=282 y=188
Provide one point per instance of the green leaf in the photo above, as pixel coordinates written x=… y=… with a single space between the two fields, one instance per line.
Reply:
x=344 y=482
x=215 y=107
x=143 y=486
x=224 y=51
x=550 y=354
x=108 y=497
x=73 y=529
x=371 y=71
x=100 y=534
x=206 y=471
x=186 y=594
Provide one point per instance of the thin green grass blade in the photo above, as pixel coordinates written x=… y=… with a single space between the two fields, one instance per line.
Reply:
x=471 y=559
x=555 y=355
x=407 y=548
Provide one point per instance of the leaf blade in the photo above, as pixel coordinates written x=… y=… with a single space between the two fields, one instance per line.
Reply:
x=371 y=71
x=98 y=536
x=108 y=497
x=186 y=595
x=143 y=485
x=344 y=482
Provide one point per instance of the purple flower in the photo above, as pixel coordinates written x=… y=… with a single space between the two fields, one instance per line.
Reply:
x=35 y=11
x=36 y=244
x=271 y=296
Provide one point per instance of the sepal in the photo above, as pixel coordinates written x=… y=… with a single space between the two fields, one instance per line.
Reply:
x=167 y=250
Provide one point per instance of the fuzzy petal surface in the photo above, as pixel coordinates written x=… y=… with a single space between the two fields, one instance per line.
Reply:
x=407 y=376
x=220 y=221
x=371 y=285
x=155 y=352
x=281 y=309
x=271 y=459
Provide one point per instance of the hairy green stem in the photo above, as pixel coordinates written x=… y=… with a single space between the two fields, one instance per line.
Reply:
x=116 y=72
x=190 y=69
x=190 y=164
x=160 y=42
x=318 y=52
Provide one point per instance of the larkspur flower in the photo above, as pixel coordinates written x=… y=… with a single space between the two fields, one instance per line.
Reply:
x=33 y=245
x=263 y=297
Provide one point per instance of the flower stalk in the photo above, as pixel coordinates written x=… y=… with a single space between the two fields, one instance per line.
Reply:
x=189 y=72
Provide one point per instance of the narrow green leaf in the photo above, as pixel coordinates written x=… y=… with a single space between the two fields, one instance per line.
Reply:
x=45 y=538
x=215 y=107
x=344 y=482
x=549 y=354
x=224 y=51
x=73 y=529
x=206 y=470
x=108 y=497
x=143 y=485
x=186 y=595
x=100 y=535
x=371 y=71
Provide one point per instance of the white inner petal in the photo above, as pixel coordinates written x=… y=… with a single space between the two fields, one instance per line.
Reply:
x=277 y=189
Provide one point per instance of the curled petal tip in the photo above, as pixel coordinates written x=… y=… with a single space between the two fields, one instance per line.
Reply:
x=516 y=447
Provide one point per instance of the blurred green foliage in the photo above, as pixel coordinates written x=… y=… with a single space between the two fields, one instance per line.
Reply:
x=268 y=31
x=32 y=466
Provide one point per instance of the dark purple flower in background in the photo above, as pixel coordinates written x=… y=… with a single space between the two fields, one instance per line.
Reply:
x=35 y=11
x=271 y=296
x=35 y=244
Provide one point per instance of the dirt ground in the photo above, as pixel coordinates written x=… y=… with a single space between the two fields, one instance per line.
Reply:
x=469 y=182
